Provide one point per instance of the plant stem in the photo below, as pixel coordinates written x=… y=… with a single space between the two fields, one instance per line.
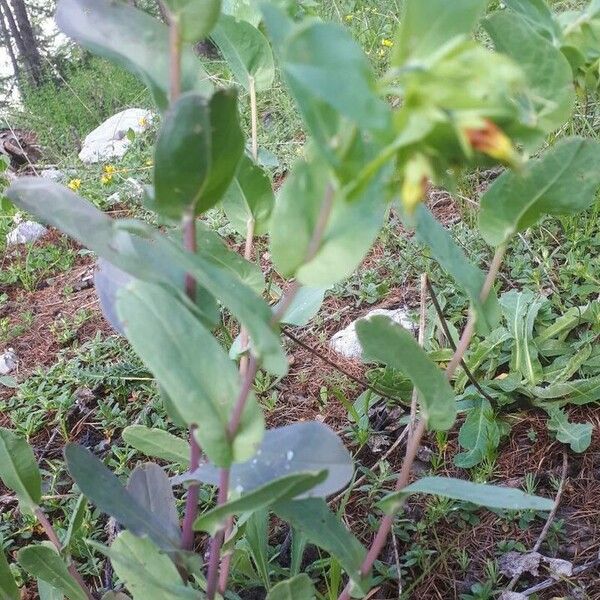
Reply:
x=191 y=501
x=175 y=59
x=414 y=440
x=217 y=541
x=51 y=535
x=421 y=340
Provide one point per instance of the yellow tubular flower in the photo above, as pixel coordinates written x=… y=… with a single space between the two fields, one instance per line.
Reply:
x=417 y=174
x=491 y=140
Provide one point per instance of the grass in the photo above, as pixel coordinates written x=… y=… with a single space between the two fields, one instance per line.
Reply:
x=94 y=390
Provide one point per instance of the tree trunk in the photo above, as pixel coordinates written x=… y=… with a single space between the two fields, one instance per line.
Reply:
x=31 y=55
x=9 y=46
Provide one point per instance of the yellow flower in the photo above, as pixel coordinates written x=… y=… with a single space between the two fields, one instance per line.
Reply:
x=109 y=170
x=491 y=140
x=387 y=43
x=105 y=179
x=417 y=173
x=74 y=184
x=143 y=122
x=381 y=52
x=349 y=17
x=149 y=163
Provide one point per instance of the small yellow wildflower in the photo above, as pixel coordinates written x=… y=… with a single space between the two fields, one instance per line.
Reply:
x=417 y=174
x=387 y=43
x=349 y=17
x=143 y=122
x=491 y=140
x=74 y=184
x=105 y=179
x=109 y=170
x=149 y=163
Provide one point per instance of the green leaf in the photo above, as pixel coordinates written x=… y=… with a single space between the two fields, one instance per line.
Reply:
x=304 y=306
x=538 y=16
x=8 y=587
x=18 y=469
x=451 y=257
x=563 y=181
x=196 y=18
x=134 y=40
x=283 y=488
x=75 y=521
x=492 y=496
x=520 y=310
x=158 y=444
x=104 y=489
x=324 y=529
x=350 y=231
x=577 y=435
x=323 y=65
x=247 y=52
x=45 y=563
x=47 y=592
x=479 y=435
x=249 y=197
x=425 y=27
x=551 y=90
x=296 y=588
x=243 y=10
x=576 y=391
x=147 y=573
x=168 y=338
x=197 y=152
x=384 y=341
x=151 y=487
x=115 y=596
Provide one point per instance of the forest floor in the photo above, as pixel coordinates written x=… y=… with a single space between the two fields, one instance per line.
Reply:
x=77 y=380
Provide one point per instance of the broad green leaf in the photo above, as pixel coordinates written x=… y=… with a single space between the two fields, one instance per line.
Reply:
x=196 y=18
x=324 y=529
x=151 y=488
x=576 y=391
x=492 y=496
x=147 y=572
x=45 y=563
x=168 y=338
x=18 y=469
x=350 y=231
x=304 y=306
x=299 y=587
x=479 y=435
x=243 y=10
x=452 y=258
x=8 y=381
x=247 y=52
x=108 y=281
x=283 y=488
x=197 y=152
x=47 y=592
x=577 y=435
x=538 y=16
x=323 y=65
x=307 y=447
x=563 y=181
x=567 y=365
x=134 y=40
x=158 y=444
x=104 y=489
x=75 y=521
x=384 y=341
x=8 y=587
x=249 y=197
x=551 y=90
x=520 y=310
x=256 y=534
x=428 y=26
x=115 y=596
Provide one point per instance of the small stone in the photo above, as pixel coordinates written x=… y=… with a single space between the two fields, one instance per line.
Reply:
x=512 y=596
x=558 y=567
x=114 y=199
x=515 y=563
x=424 y=454
x=53 y=174
x=345 y=342
x=26 y=232
x=8 y=362
x=134 y=187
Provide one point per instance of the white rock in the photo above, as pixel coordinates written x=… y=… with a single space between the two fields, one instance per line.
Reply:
x=345 y=341
x=25 y=233
x=8 y=362
x=110 y=140
x=134 y=187
x=53 y=174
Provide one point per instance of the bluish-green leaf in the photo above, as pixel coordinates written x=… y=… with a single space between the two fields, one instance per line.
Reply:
x=18 y=469
x=158 y=444
x=196 y=18
x=492 y=496
x=104 y=489
x=563 y=181
x=45 y=563
x=134 y=40
x=8 y=587
x=479 y=435
x=577 y=435
x=283 y=488
x=452 y=258
x=184 y=357
x=299 y=587
x=247 y=52
x=537 y=15
x=304 y=306
x=384 y=341
x=249 y=197
x=75 y=521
